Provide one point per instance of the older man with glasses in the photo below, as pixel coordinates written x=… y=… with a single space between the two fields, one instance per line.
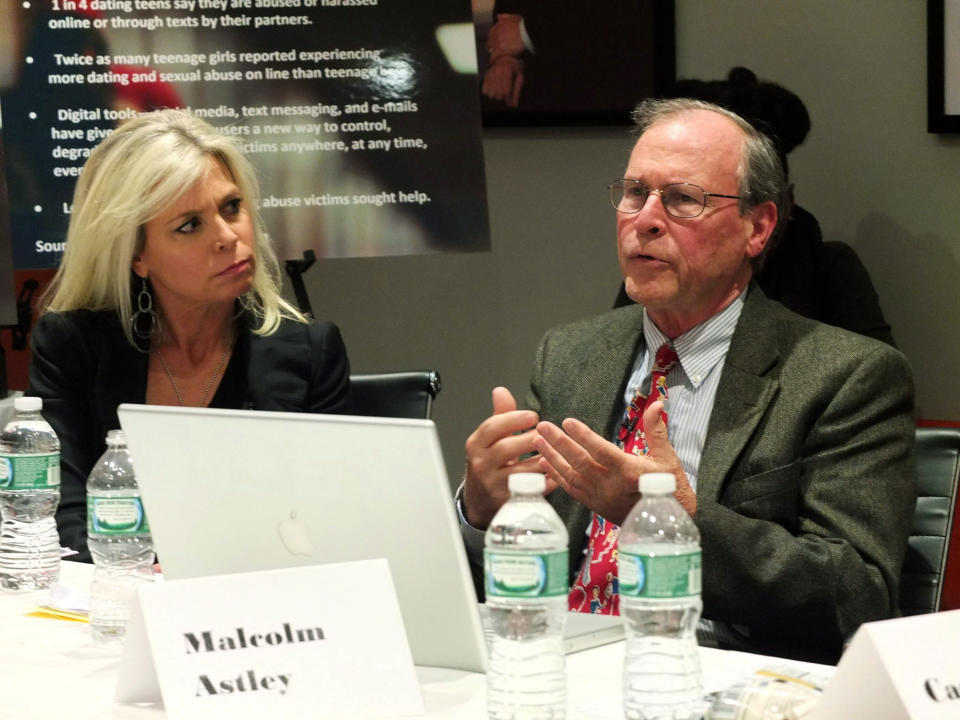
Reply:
x=791 y=441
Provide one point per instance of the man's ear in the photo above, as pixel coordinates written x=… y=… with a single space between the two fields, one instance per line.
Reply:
x=763 y=221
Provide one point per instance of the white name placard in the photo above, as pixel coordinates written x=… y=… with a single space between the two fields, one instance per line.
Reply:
x=902 y=669
x=319 y=641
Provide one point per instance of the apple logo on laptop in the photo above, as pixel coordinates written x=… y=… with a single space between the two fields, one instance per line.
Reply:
x=293 y=533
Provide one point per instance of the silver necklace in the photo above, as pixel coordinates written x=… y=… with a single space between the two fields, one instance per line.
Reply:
x=176 y=388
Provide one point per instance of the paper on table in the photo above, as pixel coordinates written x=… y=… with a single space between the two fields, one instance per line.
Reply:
x=64 y=603
x=54 y=614
x=64 y=597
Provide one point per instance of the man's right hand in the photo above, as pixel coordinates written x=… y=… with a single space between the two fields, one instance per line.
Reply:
x=493 y=452
x=504 y=80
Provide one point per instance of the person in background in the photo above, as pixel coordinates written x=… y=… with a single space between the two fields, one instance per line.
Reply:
x=791 y=440
x=168 y=294
x=567 y=56
x=823 y=280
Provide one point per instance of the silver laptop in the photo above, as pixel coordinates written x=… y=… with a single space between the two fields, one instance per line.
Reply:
x=230 y=491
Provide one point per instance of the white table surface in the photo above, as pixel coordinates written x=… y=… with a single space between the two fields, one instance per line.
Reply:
x=50 y=668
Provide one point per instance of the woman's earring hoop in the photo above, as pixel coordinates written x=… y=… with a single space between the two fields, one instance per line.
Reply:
x=144 y=321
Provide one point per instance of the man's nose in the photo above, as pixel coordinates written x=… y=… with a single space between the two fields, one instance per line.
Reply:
x=652 y=214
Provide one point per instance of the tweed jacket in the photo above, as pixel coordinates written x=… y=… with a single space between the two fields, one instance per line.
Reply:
x=807 y=480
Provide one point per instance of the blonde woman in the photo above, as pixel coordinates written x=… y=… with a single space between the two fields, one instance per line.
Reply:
x=168 y=294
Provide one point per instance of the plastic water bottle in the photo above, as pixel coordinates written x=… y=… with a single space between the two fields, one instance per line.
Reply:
x=29 y=495
x=659 y=575
x=525 y=569
x=772 y=692
x=119 y=539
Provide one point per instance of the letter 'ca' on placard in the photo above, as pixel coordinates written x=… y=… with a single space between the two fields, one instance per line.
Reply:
x=902 y=669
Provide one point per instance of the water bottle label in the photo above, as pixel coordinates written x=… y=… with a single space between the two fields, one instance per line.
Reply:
x=33 y=471
x=659 y=576
x=514 y=574
x=116 y=516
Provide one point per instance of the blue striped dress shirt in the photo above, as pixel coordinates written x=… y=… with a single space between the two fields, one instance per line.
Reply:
x=691 y=389
x=692 y=383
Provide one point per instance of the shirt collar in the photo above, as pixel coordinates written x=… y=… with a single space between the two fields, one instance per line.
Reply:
x=702 y=347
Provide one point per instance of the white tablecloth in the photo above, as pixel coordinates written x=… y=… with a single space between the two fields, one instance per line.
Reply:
x=50 y=670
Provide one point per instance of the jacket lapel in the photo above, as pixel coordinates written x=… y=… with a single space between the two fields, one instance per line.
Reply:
x=745 y=391
x=609 y=374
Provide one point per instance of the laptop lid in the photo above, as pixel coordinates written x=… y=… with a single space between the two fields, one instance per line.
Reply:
x=230 y=491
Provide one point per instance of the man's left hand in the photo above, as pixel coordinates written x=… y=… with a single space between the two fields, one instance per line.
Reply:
x=598 y=474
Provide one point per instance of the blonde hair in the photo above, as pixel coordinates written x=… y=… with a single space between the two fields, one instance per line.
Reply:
x=143 y=167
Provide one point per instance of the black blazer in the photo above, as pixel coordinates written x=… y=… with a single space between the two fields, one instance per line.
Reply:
x=83 y=367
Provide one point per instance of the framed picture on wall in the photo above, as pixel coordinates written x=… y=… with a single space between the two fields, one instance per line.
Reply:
x=943 y=66
x=569 y=62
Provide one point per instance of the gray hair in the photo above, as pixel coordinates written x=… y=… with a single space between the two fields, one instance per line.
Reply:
x=137 y=172
x=760 y=176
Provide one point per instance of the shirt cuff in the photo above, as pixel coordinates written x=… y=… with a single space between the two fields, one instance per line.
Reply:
x=525 y=36
x=472 y=537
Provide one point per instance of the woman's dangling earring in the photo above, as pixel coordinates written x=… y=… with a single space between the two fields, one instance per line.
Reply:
x=144 y=320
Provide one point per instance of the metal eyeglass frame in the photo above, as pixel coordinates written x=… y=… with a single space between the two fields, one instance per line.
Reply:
x=622 y=182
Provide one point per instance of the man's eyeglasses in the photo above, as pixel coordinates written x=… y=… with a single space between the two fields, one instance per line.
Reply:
x=681 y=200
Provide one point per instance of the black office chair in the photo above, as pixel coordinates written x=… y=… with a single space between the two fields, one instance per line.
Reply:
x=396 y=394
x=938 y=467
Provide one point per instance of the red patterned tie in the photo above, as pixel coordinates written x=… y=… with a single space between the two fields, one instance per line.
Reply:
x=595 y=589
